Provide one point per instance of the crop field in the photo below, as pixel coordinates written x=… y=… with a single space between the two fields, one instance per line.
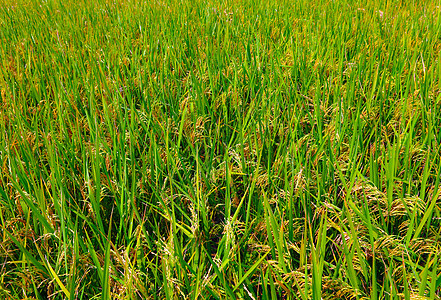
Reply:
x=220 y=149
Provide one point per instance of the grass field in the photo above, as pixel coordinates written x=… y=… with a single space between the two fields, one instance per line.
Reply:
x=231 y=149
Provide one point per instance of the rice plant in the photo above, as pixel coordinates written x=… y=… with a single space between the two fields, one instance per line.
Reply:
x=232 y=149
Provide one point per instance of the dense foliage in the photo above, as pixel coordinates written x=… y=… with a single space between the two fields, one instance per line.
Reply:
x=245 y=149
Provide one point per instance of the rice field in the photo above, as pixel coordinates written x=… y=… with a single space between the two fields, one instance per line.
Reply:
x=230 y=149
